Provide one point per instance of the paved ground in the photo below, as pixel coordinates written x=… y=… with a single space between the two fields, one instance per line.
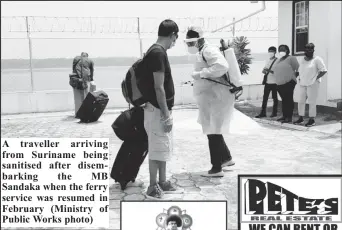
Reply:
x=269 y=150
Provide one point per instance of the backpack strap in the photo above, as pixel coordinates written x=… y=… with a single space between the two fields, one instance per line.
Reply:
x=266 y=75
x=150 y=50
x=74 y=65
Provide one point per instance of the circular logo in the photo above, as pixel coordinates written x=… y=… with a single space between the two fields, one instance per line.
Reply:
x=174 y=210
x=187 y=221
x=160 y=220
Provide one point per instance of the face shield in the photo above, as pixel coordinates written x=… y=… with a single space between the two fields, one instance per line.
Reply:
x=191 y=45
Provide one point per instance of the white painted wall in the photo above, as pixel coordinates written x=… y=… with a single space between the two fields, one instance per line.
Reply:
x=63 y=100
x=334 y=51
x=325 y=33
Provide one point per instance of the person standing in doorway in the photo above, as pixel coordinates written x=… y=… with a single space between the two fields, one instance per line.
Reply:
x=311 y=71
x=270 y=84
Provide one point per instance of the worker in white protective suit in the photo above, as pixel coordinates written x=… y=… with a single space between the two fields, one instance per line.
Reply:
x=215 y=101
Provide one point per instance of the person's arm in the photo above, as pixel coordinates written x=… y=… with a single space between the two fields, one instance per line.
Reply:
x=160 y=93
x=294 y=64
x=321 y=67
x=74 y=63
x=217 y=63
x=265 y=69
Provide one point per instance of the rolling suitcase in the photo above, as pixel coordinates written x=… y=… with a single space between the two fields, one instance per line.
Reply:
x=128 y=161
x=93 y=106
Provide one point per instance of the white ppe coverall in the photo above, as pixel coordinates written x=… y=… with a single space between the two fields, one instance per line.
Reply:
x=215 y=101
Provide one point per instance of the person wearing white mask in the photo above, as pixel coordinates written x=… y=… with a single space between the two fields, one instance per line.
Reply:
x=215 y=101
x=286 y=72
x=270 y=85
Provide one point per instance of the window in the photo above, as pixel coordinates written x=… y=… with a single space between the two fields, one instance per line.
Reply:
x=300 y=36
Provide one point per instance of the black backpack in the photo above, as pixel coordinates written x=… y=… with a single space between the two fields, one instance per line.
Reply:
x=129 y=85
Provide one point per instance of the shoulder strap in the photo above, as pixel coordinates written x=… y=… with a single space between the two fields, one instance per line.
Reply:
x=81 y=68
x=273 y=63
x=75 y=64
x=203 y=53
x=149 y=50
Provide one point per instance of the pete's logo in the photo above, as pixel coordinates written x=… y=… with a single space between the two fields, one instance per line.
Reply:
x=268 y=198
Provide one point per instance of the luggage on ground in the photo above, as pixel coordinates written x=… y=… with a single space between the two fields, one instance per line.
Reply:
x=93 y=106
x=128 y=161
x=129 y=125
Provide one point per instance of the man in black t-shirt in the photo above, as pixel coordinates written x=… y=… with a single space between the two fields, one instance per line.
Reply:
x=158 y=88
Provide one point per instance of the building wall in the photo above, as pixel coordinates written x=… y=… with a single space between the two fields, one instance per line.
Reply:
x=327 y=38
x=63 y=100
x=334 y=51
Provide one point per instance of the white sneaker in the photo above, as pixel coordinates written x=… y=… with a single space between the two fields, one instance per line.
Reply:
x=212 y=173
x=228 y=163
x=135 y=184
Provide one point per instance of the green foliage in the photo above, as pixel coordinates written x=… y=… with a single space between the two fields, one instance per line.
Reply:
x=242 y=54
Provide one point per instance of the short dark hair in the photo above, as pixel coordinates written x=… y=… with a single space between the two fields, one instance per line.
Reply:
x=84 y=53
x=192 y=34
x=286 y=48
x=167 y=27
x=310 y=46
x=272 y=49
x=174 y=218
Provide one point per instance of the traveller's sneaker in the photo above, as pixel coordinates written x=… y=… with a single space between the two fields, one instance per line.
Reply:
x=155 y=192
x=168 y=188
x=228 y=163
x=135 y=184
x=310 y=123
x=299 y=121
x=213 y=173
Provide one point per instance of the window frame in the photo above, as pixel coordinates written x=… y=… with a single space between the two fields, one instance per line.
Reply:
x=294 y=27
